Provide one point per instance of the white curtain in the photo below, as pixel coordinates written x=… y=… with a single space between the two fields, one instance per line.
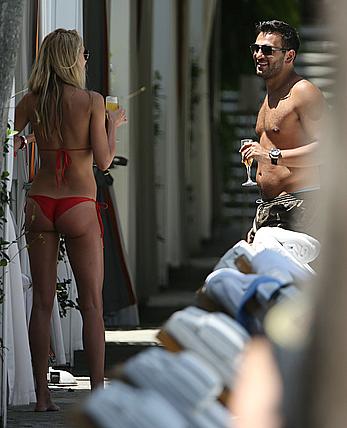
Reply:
x=20 y=377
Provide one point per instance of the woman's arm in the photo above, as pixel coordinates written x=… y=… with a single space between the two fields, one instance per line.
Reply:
x=104 y=142
x=21 y=119
x=20 y=141
x=21 y=115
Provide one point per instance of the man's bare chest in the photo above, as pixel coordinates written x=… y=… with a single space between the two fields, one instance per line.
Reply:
x=278 y=119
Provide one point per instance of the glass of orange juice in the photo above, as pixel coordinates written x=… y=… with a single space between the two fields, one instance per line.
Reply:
x=112 y=103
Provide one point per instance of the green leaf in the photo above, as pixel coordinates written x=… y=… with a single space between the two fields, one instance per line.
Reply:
x=11 y=133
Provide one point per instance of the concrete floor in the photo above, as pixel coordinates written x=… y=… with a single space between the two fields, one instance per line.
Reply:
x=69 y=398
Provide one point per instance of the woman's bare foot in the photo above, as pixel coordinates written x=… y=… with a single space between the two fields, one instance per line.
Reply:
x=44 y=403
x=51 y=408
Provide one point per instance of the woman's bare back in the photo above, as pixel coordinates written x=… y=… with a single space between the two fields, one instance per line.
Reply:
x=66 y=172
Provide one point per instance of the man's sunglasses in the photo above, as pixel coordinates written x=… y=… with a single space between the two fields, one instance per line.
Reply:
x=266 y=49
x=86 y=54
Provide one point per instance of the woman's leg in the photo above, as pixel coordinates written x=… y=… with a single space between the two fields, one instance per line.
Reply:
x=85 y=250
x=43 y=251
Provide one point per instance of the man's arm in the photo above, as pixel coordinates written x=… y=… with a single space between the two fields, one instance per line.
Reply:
x=311 y=109
x=305 y=156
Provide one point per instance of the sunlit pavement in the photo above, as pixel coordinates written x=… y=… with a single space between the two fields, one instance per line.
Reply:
x=69 y=398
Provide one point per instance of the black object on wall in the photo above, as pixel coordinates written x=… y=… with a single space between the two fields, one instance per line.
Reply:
x=95 y=35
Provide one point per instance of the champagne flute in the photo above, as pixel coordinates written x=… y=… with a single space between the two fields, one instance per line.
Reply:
x=248 y=164
x=112 y=103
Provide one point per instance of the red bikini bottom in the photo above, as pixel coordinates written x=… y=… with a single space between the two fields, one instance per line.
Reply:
x=53 y=208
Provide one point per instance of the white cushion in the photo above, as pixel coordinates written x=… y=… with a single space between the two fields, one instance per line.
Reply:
x=215 y=337
x=182 y=378
x=123 y=406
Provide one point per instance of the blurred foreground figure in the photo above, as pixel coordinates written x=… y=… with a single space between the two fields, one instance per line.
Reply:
x=259 y=389
x=324 y=374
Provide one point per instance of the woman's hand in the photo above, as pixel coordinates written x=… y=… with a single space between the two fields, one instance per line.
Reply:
x=20 y=141
x=118 y=117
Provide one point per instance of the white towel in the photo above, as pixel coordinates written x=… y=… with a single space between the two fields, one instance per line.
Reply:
x=303 y=247
x=284 y=268
x=265 y=239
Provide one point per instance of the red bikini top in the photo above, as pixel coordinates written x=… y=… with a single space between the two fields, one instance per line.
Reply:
x=62 y=161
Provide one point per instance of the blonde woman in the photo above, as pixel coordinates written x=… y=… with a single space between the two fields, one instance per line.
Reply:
x=69 y=125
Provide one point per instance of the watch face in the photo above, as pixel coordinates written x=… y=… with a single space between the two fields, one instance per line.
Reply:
x=275 y=153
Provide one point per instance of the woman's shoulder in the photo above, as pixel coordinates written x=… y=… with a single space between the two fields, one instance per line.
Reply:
x=27 y=102
x=97 y=100
x=30 y=97
x=76 y=98
x=96 y=96
x=87 y=95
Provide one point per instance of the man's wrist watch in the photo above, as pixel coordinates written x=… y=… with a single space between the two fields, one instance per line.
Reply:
x=274 y=155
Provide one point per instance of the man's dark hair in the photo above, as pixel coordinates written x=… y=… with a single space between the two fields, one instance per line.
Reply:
x=290 y=36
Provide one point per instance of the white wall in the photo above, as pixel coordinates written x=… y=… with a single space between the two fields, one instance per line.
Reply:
x=167 y=150
x=66 y=14
x=119 y=45
x=201 y=19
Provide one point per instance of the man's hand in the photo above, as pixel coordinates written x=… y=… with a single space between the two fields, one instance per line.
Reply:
x=255 y=151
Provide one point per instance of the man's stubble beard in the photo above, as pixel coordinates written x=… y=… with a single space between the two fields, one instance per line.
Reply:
x=272 y=71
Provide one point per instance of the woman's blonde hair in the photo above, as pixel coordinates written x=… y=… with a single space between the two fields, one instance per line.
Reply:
x=57 y=63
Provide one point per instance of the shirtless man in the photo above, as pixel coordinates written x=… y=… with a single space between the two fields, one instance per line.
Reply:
x=288 y=127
